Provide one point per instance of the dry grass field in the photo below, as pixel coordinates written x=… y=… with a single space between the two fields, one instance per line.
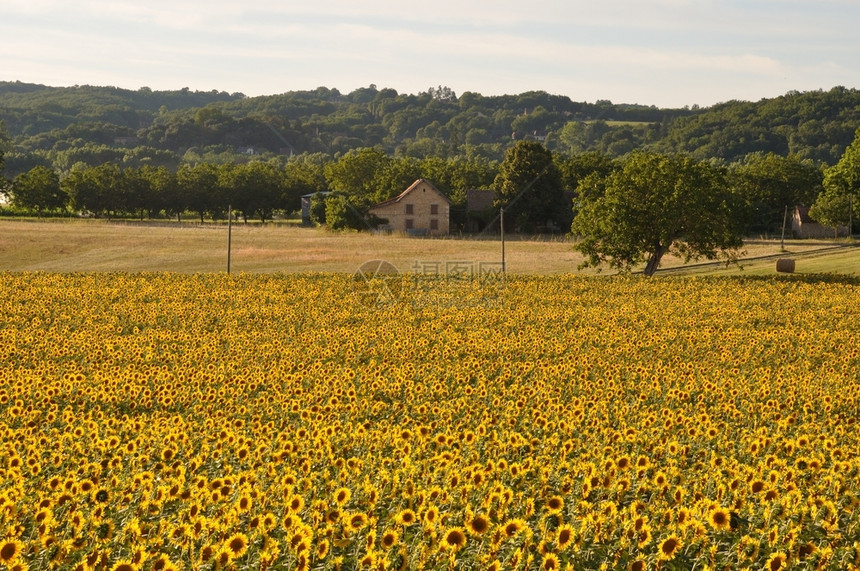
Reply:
x=98 y=245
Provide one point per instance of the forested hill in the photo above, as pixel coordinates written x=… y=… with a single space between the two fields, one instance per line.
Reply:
x=63 y=126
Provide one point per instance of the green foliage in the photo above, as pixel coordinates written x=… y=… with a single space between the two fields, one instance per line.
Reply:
x=436 y=123
x=841 y=181
x=815 y=125
x=655 y=204
x=575 y=168
x=201 y=190
x=255 y=188
x=38 y=190
x=162 y=190
x=769 y=183
x=318 y=209
x=4 y=143
x=341 y=213
x=831 y=208
x=530 y=189
x=845 y=175
x=358 y=173
x=94 y=189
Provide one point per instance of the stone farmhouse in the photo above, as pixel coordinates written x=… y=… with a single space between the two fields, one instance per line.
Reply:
x=420 y=210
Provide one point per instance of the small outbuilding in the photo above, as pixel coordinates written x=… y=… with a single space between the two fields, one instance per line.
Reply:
x=306 y=205
x=802 y=226
x=420 y=210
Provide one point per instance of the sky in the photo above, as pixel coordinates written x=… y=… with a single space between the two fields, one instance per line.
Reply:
x=668 y=53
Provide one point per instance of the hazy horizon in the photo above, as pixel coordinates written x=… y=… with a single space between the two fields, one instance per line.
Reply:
x=667 y=53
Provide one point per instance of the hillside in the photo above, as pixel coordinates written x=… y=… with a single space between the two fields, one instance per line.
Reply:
x=61 y=126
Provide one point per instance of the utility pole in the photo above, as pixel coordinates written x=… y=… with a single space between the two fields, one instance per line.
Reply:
x=229 y=234
x=784 y=219
x=502 y=229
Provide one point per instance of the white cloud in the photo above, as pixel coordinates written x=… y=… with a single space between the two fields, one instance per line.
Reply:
x=649 y=51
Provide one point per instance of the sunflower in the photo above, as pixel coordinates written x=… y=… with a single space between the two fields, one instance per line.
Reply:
x=777 y=561
x=431 y=515
x=555 y=504
x=806 y=550
x=478 y=525
x=369 y=560
x=237 y=545
x=669 y=548
x=207 y=552
x=244 y=503
x=773 y=535
x=163 y=562
x=10 y=550
x=357 y=521
x=222 y=558
x=638 y=565
x=322 y=549
x=269 y=521
x=550 y=562
x=564 y=536
x=124 y=566
x=290 y=521
x=406 y=517
x=342 y=496
x=720 y=519
x=513 y=526
x=389 y=539
x=454 y=539
x=296 y=504
x=643 y=536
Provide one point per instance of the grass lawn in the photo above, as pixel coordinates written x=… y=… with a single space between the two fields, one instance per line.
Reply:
x=98 y=245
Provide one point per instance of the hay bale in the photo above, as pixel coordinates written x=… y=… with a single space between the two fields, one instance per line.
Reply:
x=785 y=265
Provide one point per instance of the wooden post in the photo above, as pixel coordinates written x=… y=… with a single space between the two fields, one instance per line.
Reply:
x=229 y=233
x=502 y=228
x=784 y=219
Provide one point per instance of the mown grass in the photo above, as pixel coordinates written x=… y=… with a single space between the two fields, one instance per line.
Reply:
x=97 y=245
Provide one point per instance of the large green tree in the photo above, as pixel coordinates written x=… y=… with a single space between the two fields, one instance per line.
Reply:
x=200 y=190
x=38 y=189
x=100 y=190
x=655 y=204
x=254 y=188
x=3 y=143
x=3 y=185
x=358 y=174
x=575 y=168
x=163 y=192
x=768 y=183
x=530 y=189
x=841 y=189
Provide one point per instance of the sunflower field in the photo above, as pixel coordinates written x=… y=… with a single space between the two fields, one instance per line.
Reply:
x=165 y=421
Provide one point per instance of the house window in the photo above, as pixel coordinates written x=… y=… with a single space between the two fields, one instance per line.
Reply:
x=410 y=224
x=434 y=209
x=434 y=224
x=410 y=209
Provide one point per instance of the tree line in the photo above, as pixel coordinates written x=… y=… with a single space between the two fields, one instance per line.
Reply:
x=764 y=185
x=255 y=189
x=61 y=127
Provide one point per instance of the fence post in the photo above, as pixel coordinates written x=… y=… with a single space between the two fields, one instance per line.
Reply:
x=229 y=234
